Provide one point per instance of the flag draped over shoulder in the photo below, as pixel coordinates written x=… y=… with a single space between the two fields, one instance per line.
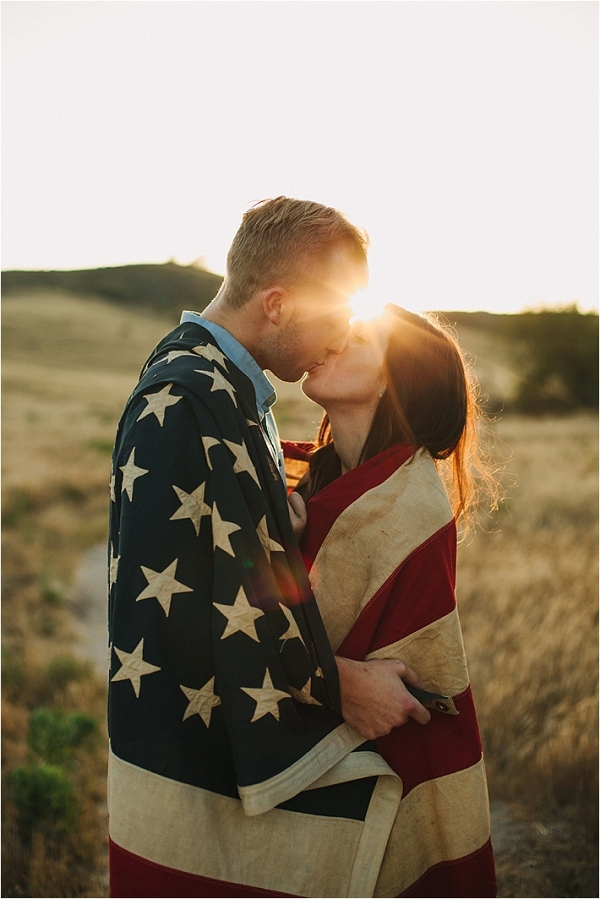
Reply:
x=380 y=544
x=229 y=757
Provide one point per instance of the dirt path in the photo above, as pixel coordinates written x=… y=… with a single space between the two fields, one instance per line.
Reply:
x=89 y=606
x=534 y=858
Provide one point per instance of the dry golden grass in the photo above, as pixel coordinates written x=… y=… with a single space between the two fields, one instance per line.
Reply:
x=527 y=591
x=69 y=366
x=528 y=602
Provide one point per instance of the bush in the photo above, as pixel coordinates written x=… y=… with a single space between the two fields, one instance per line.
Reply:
x=45 y=798
x=65 y=669
x=13 y=669
x=563 y=359
x=554 y=351
x=54 y=735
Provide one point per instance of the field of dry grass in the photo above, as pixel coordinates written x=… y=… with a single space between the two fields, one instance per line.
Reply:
x=528 y=600
x=527 y=596
x=68 y=368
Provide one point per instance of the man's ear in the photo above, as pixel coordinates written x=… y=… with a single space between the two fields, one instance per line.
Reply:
x=277 y=305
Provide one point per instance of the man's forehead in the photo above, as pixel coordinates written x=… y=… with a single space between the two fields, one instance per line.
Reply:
x=342 y=276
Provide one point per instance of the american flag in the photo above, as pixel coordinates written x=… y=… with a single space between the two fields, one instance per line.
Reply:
x=223 y=685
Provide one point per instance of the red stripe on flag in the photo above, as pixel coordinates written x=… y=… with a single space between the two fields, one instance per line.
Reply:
x=472 y=877
x=132 y=877
x=327 y=505
x=424 y=592
x=420 y=752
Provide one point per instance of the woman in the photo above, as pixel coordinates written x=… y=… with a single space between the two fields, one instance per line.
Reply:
x=380 y=547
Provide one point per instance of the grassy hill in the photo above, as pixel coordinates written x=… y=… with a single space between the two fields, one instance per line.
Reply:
x=166 y=288
x=536 y=362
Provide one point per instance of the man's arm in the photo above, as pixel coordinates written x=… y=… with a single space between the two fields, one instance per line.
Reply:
x=374 y=699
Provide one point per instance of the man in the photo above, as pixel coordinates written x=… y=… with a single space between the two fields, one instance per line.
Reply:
x=229 y=752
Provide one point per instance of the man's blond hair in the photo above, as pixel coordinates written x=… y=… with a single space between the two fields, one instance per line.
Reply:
x=280 y=241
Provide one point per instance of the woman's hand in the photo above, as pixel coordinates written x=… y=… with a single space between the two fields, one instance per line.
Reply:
x=297 y=510
x=374 y=699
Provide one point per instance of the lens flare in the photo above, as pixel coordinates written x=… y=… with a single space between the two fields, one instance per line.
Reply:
x=368 y=304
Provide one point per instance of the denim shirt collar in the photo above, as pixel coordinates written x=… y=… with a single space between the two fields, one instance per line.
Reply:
x=239 y=355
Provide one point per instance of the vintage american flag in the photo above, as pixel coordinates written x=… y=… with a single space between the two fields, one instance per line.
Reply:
x=380 y=543
x=229 y=757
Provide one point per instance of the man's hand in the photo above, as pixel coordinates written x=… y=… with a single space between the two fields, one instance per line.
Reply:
x=297 y=510
x=374 y=699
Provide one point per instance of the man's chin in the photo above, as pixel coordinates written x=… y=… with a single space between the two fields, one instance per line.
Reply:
x=288 y=373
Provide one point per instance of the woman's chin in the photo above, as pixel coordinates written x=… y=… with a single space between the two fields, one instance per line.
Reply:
x=311 y=394
x=308 y=392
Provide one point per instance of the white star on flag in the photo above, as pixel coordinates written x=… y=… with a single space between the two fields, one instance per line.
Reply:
x=175 y=354
x=192 y=505
x=130 y=473
x=304 y=695
x=240 y=616
x=266 y=698
x=252 y=424
x=219 y=383
x=157 y=404
x=293 y=629
x=211 y=354
x=222 y=530
x=162 y=585
x=112 y=489
x=201 y=702
x=268 y=544
x=133 y=666
x=114 y=564
x=243 y=462
x=207 y=442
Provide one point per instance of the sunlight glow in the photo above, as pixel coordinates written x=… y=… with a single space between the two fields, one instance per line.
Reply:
x=368 y=304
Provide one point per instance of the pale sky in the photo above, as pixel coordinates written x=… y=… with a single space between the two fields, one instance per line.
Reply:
x=461 y=135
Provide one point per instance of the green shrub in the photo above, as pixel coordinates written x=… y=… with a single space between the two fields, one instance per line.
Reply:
x=54 y=734
x=13 y=669
x=66 y=668
x=44 y=797
x=72 y=494
x=51 y=595
x=16 y=508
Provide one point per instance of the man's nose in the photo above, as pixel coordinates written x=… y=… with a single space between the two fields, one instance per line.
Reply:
x=338 y=346
x=340 y=341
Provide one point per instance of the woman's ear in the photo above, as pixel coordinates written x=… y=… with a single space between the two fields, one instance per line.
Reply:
x=277 y=305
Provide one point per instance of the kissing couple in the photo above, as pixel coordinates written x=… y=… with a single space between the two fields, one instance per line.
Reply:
x=289 y=707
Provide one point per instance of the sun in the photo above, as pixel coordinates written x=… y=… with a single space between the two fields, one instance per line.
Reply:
x=368 y=304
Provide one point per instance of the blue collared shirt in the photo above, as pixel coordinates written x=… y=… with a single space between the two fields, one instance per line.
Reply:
x=264 y=390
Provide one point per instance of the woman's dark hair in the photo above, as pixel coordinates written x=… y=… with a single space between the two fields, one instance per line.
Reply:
x=430 y=401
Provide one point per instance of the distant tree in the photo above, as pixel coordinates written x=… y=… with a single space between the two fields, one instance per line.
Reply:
x=555 y=352
x=562 y=363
